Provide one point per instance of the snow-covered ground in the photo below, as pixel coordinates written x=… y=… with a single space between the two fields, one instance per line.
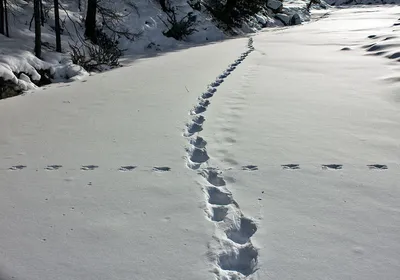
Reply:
x=143 y=17
x=303 y=132
x=284 y=167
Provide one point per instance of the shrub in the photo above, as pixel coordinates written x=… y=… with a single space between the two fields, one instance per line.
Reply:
x=180 y=29
x=96 y=57
x=234 y=12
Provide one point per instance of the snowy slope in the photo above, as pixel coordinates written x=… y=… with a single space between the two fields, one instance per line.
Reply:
x=144 y=18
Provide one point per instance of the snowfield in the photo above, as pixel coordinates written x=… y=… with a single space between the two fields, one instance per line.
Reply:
x=268 y=157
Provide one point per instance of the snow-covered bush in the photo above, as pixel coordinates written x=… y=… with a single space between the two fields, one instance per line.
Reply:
x=233 y=13
x=180 y=29
x=105 y=54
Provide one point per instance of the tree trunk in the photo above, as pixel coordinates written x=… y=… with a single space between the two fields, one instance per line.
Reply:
x=1 y=17
x=57 y=26
x=163 y=5
x=42 y=13
x=90 y=22
x=6 y=18
x=230 y=5
x=38 y=39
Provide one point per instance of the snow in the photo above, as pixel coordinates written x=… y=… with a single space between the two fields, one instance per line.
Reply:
x=268 y=157
x=145 y=19
x=302 y=134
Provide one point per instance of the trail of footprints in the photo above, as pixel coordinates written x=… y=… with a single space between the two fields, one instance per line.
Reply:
x=198 y=155
x=236 y=257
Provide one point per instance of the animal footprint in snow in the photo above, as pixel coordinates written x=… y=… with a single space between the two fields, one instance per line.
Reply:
x=53 y=167
x=243 y=260
x=219 y=213
x=198 y=142
x=224 y=75
x=199 y=119
x=250 y=167
x=217 y=82
x=209 y=93
x=242 y=232
x=161 y=169
x=17 y=167
x=193 y=128
x=377 y=166
x=198 y=155
x=200 y=108
x=218 y=197
x=127 y=168
x=89 y=167
x=291 y=166
x=332 y=166
x=213 y=176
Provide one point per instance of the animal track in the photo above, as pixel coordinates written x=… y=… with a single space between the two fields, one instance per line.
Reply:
x=219 y=213
x=218 y=197
x=217 y=82
x=332 y=166
x=127 y=168
x=17 y=167
x=53 y=167
x=250 y=167
x=207 y=95
x=198 y=142
x=193 y=128
x=199 y=119
x=377 y=166
x=200 y=108
x=243 y=231
x=89 y=167
x=243 y=260
x=213 y=176
x=291 y=166
x=198 y=155
x=237 y=259
x=161 y=169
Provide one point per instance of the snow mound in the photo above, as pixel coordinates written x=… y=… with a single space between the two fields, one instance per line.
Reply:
x=386 y=45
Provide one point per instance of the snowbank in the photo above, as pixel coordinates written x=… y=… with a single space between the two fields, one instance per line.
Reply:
x=145 y=18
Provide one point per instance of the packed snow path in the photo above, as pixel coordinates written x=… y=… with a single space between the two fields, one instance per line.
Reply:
x=288 y=167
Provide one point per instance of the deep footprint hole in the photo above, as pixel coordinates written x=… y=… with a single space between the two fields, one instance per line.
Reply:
x=219 y=213
x=218 y=197
x=243 y=260
x=243 y=232
x=214 y=177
